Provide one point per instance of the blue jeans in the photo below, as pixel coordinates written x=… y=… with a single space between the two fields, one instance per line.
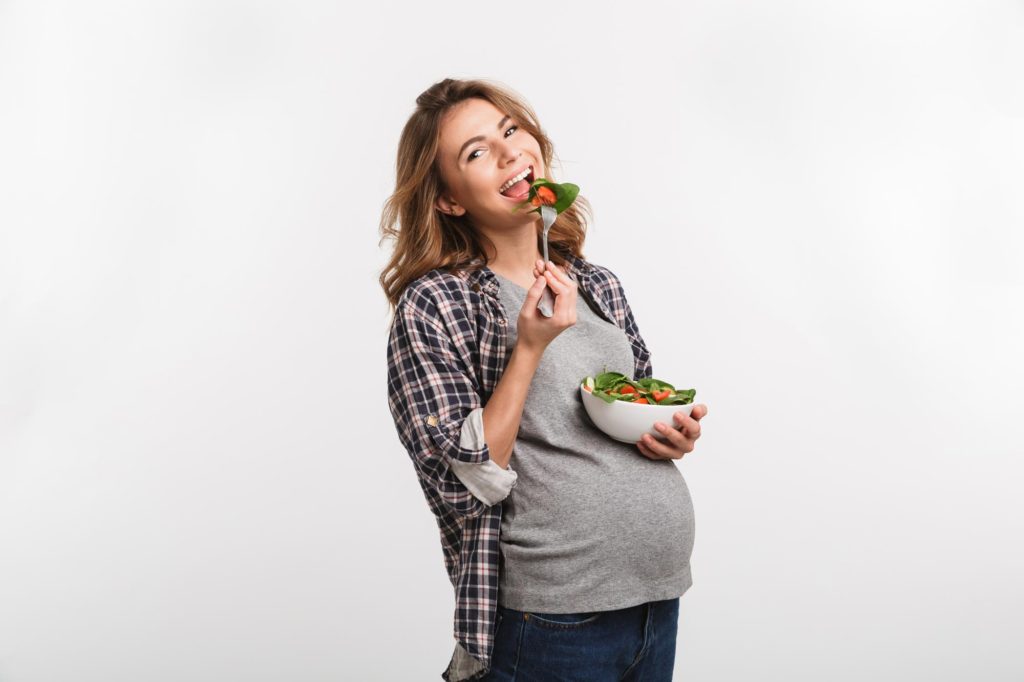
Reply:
x=635 y=644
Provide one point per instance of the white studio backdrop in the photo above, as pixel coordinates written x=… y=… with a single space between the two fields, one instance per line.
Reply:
x=815 y=208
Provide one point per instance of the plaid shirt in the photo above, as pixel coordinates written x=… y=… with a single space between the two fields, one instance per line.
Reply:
x=447 y=350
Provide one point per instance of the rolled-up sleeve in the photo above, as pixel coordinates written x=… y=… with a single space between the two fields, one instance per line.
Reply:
x=431 y=392
x=487 y=481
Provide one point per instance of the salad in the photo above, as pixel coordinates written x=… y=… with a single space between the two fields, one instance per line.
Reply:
x=549 y=199
x=544 y=192
x=612 y=386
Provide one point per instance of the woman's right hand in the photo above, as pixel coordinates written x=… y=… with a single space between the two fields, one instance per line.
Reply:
x=534 y=330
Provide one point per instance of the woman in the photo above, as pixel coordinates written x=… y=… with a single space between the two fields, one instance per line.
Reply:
x=571 y=564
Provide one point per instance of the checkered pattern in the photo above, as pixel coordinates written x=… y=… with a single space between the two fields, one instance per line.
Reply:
x=447 y=350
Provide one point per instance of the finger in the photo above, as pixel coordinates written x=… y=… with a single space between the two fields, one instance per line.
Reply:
x=556 y=285
x=674 y=435
x=561 y=274
x=658 y=448
x=699 y=411
x=555 y=272
x=689 y=425
x=642 y=447
x=565 y=306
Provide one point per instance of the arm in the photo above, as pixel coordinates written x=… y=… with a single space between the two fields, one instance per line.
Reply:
x=430 y=394
x=504 y=410
x=492 y=481
x=487 y=481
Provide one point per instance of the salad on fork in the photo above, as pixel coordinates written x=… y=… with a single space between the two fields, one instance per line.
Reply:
x=549 y=199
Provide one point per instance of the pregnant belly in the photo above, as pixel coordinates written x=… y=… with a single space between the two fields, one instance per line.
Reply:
x=637 y=528
x=657 y=530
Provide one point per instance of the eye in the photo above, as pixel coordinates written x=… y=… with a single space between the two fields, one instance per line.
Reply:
x=471 y=157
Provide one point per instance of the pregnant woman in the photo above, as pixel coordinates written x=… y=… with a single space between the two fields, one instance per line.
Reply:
x=568 y=550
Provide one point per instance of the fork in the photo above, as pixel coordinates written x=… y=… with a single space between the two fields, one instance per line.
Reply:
x=546 y=305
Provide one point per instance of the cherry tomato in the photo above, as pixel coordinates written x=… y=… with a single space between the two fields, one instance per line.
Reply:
x=545 y=195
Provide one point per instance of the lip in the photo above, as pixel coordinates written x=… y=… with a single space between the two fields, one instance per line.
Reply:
x=530 y=166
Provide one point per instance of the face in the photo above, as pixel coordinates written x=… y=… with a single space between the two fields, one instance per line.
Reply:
x=480 y=150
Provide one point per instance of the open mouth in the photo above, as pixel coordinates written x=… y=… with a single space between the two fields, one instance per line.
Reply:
x=519 y=190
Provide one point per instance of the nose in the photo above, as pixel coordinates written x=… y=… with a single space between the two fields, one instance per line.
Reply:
x=511 y=154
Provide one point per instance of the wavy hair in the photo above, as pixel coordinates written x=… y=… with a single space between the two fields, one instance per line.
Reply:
x=424 y=238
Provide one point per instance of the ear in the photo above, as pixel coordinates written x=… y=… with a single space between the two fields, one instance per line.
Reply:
x=447 y=206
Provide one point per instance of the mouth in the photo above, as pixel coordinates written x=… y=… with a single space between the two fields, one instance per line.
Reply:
x=519 y=190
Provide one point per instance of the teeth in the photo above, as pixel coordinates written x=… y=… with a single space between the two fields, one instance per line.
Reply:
x=515 y=179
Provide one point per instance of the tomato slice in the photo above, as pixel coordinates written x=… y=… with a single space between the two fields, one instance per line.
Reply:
x=641 y=400
x=627 y=389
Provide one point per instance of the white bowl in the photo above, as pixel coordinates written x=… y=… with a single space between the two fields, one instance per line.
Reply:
x=627 y=422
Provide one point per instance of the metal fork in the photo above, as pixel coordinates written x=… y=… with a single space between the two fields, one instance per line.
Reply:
x=546 y=305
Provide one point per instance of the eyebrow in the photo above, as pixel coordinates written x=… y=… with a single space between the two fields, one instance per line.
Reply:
x=478 y=138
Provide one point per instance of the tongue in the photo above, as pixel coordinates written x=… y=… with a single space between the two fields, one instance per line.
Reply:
x=517 y=190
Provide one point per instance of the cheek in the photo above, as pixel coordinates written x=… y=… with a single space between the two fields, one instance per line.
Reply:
x=482 y=189
x=536 y=149
x=465 y=187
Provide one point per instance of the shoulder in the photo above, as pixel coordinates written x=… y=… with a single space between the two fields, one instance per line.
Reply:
x=598 y=275
x=605 y=282
x=440 y=298
x=434 y=292
x=602 y=274
x=437 y=309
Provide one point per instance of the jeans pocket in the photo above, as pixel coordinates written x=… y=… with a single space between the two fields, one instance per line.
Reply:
x=564 y=621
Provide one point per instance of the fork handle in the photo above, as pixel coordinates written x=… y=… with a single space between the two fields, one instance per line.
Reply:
x=546 y=304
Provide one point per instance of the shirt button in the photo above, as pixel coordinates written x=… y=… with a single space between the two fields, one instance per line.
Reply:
x=501 y=321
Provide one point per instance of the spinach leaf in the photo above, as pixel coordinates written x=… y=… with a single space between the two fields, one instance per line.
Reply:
x=608 y=387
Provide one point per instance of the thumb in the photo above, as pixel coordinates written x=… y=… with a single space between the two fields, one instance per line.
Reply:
x=534 y=292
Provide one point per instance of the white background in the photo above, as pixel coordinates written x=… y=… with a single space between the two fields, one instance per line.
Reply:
x=815 y=208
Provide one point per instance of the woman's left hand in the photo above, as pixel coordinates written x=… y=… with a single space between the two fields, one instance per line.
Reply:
x=681 y=437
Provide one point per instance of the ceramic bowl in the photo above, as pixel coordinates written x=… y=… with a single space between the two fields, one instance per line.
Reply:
x=627 y=422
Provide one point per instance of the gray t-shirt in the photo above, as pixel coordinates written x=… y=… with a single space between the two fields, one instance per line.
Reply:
x=591 y=524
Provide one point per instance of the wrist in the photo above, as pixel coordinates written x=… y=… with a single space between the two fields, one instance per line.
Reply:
x=527 y=352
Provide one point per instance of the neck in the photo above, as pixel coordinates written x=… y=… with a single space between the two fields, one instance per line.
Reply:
x=515 y=252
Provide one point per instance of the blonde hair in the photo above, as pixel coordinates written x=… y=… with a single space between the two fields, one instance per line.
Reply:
x=425 y=238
